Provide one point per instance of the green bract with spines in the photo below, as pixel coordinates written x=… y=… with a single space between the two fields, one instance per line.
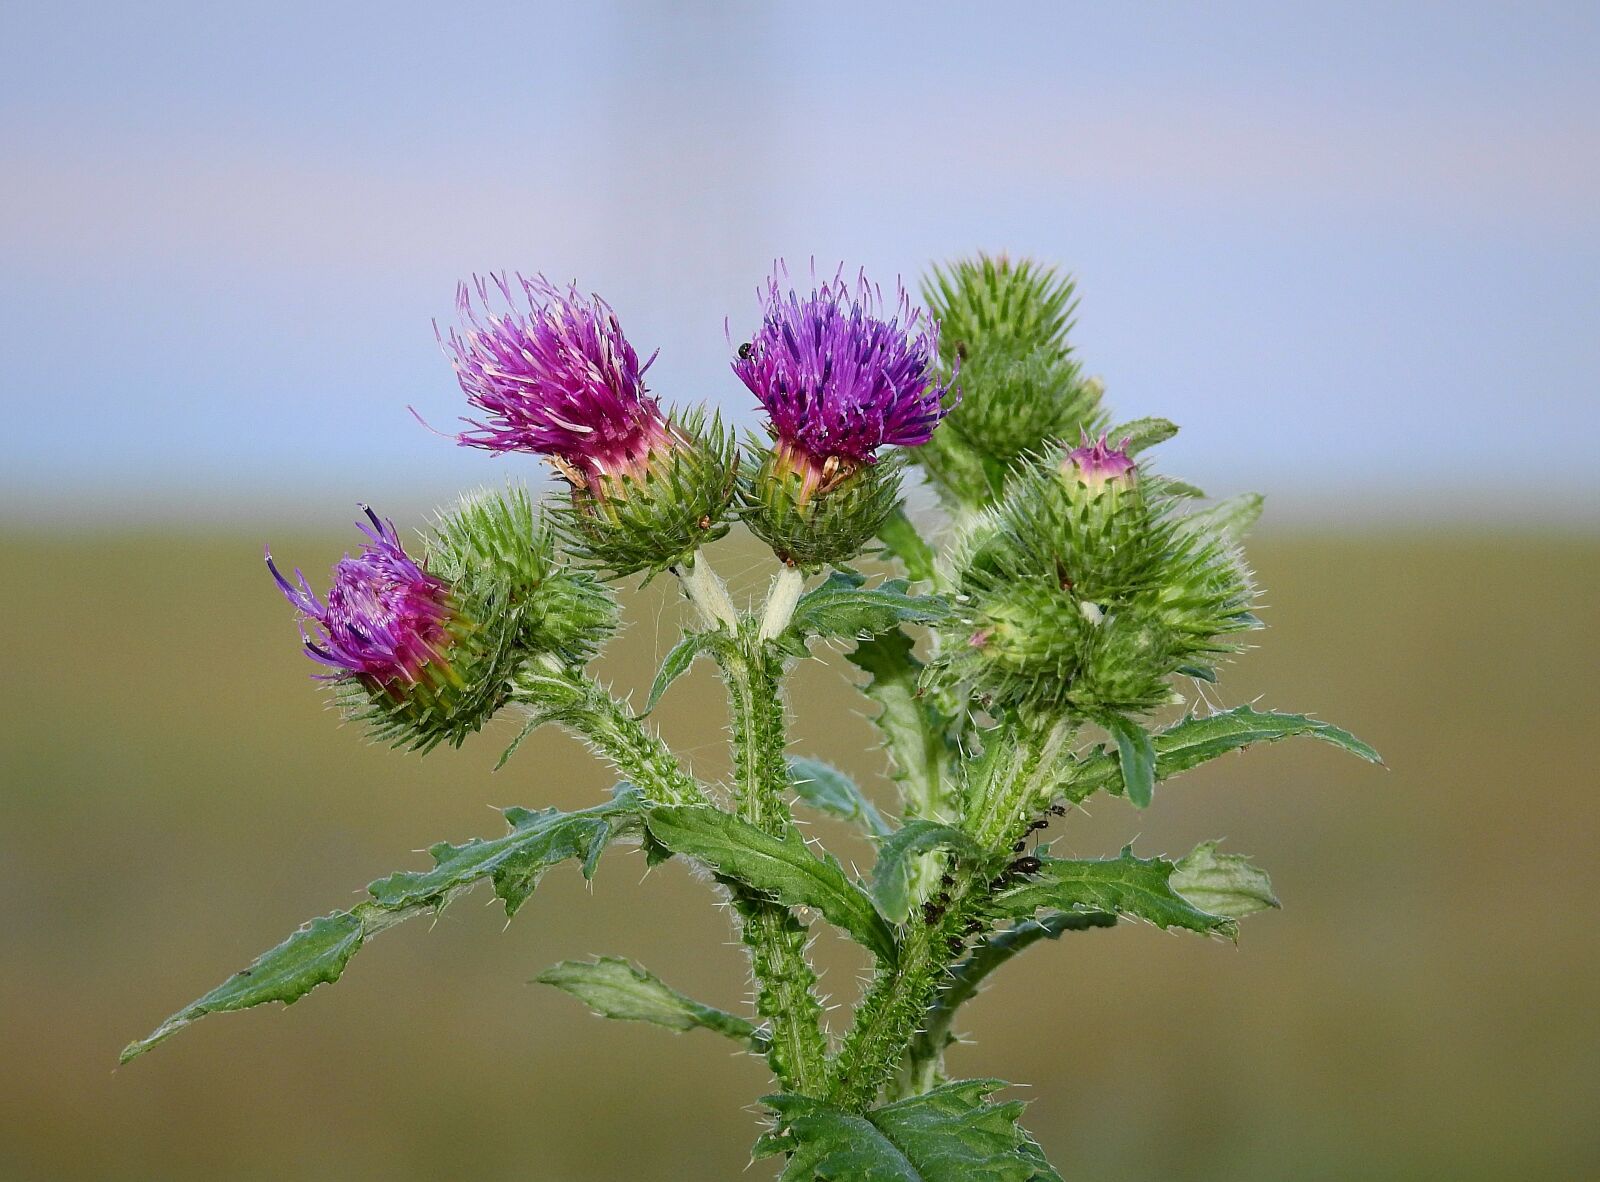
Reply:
x=1003 y=343
x=810 y=519
x=1012 y=666
x=658 y=519
x=1089 y=599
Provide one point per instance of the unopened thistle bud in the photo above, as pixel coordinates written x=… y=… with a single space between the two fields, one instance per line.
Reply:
x=423 y=652
x=840 y=376
x=1084 y=591
x=554 y=376
x=1003 y=326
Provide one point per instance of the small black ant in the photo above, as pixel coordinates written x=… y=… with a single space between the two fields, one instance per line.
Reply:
x=1028 y=865
x=1019 y=846
x=745 y=350
x=1058 y=810
x=955 y=944
x=1041 y=823
x=932 y=912
x=947 y=880
x=973 y=926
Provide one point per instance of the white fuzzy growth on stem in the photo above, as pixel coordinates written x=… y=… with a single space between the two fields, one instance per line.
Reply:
x=781 y=601
x=708 y=593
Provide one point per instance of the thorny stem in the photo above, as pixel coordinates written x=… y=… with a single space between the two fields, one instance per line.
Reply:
x=785 y=983
x=581 y=705
x=897 y=1004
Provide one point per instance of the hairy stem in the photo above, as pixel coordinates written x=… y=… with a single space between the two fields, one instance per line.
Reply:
x=999 y=807
x=577 y=702
x=786 y=993
x=709 y=594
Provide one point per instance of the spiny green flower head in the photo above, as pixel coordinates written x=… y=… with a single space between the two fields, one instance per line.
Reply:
x=1004 y=326
x=1085 y=590
x=841 y=373
x=554 y=375
x=423 y=652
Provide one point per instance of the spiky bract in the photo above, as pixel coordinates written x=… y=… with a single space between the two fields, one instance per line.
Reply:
x=1003 y=341
x=659 y=515
x=813 y=518
x=1090 y=598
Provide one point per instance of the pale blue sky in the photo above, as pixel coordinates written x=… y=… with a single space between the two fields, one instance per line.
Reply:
x=1354 y=249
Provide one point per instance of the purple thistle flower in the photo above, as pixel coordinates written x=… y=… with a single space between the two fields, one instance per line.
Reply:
x=558 y=379
x=839 y=380
x=385 y=618
x=1097 y=464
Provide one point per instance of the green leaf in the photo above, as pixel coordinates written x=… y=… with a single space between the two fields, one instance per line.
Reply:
x=1141 y=434
x=513 y=863
x=828 y=790
x=1136 y=759
x=614 y=988
x=903 y=541
x=913 y=730
x=318 y=952
x=1222 y=884
x=844 y=607
x=1124 y=885
x=1196 y=739
x=676 y=664
x=782 y=868
x=952 y=1134
x=891 y=877
x=1233 y=518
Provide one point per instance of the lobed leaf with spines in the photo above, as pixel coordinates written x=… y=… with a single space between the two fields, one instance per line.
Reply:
x=318 y=952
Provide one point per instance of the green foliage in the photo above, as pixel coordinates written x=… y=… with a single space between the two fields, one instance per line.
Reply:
x=1124 y=885
x=845 y=608
x=780 y=868
x=900 y=538
x=891 y=874
x=1222 y=884
x=954 y=1133
x=827 y=789
x=1198 y=738
x=676 y=663
x=1136 y=759
x=614 y=988
x=1141 y=434
x=318 y=952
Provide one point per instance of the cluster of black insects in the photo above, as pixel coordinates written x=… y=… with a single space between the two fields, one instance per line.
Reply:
x=933 y=910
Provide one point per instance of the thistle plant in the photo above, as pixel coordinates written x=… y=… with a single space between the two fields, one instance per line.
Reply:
x=1038 y=641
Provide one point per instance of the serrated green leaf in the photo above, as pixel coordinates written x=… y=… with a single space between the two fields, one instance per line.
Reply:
x=1234 y=517
x=1141 y=434
x=318 y=952
x=828 y=790
x=912 y=729
x=1196 y=739
x=903 y=541
x=513 y=863
x=953 y=1133
x=675 y=664
x=1136 y=759
x=1124 y=885
x=844 y=607
x=1222 y=884
x=891 y=877
x=781 y=868
x=615 y=988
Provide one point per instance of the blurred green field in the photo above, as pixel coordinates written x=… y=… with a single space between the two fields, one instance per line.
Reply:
x=176 y=799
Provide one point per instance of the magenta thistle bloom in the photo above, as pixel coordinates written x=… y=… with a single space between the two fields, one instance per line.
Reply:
x=1097 y=465
x=558 y=379
x=385 y=618
x=837 y=377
